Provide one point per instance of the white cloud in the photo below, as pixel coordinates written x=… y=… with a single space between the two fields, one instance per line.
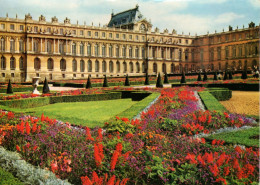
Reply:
x=255 y=3
x=226 y=18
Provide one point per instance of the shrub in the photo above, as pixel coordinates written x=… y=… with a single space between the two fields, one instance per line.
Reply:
x=183 y=78
x=88 y=85
x=221 y=94
x=199 y=77
x=146 y=79
x=244 y=74
x=215 y=76
x=105 y=84
x=230 y=77
x=9 y=88
x=127 y=83
x=7 y=178
x=159 y=83
x=225 y=76
x=205 y=77
x=210 y=102
x=46 y=88
x=166 y=81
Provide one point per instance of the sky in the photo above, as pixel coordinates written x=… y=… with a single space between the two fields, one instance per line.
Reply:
x=185 y=16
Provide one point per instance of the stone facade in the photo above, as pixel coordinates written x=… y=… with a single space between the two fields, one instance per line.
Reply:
x=55 y=50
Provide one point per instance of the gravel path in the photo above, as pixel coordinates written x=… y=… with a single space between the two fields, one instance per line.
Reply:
x=243 y=102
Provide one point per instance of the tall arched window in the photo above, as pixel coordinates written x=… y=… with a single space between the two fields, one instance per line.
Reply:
x=49 y=49
x=89 y=50
x=97 y=66
x=143 y=52
x=186 y=68
x=96 y=50
x=172 y=68
x=124 y=67
x=3 y=63
x=233 y=65
x=143 y=67
x=117 y=67
x=103 y=50
x=117 y=51
x=37 y=64
x=63 y=65
x=74 y=48
x=74 y=65
x=164 y=68
x=50 y=64
x=21 y=46
x=12 y=63
x=35 y=46
x=239 y=64
x=89 y=66
x=180 y=68
x=186 y=55
x=137 y=52
x=110 y=51
x=21 y=64
x=154 y=67
x=137 y=67
x=12 y=47
x=82 y=66
x=2 y=44
x=180 y=54
x=131 y=66
x=124 y=51
x=81 y=49
x=104 y=66
x=62 y=48
x=130 y=52
x=111 y=67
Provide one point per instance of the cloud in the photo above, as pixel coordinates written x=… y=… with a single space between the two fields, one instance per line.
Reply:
x=255 y=3
x=226 y=18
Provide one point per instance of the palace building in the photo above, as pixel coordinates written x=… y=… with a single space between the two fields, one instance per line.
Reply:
x=127 y=45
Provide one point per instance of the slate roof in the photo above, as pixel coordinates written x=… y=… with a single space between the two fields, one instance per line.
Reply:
x=125 y=17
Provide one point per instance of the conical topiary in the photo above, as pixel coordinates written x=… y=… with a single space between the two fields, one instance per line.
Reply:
x=225 y=75
x=183 y=78
x=127 y=83
x=159 y=83
x=9 y=88
x=199 y=77
x=45 y=88
x=215 y=76
x=88 y=85
x=244 y=74
x=146 y=79
x=166 y=81
x=105 y=84
x=205 y=77
x=230 y=77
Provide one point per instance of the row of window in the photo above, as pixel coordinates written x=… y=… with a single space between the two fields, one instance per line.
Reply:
x=12 y=63
x=12 y=27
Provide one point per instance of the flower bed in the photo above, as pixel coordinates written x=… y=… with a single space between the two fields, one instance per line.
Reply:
x=159 y=148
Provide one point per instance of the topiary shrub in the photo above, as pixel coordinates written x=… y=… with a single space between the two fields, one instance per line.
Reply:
x=183 y=78
x=105 y=84
x=159 y=83
x=146 y=79
x=215 y=76
x=127 y=83
x=166 y=81
x=205 y=77
x=45 y=88
x=244 y=74
x=230 y=77
x=88 y=85
x=9 y=88
x=199 y=77
x=225 y=76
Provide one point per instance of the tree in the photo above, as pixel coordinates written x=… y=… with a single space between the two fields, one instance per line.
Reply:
x=183 y=78
x=9 y=88
x=105 y=84
x=230 y=77
x=166 y=81
x=199 y=77
x=127 y=83
x=159 y=83
x=225 y=75
x=45 y=88
x=146 y=79
x=215 y=76
x=205 y=77
x=88 y=85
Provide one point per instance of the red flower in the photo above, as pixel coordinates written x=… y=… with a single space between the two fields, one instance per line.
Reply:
x=238 y=149
x=27 y=128
x=220 y=179
x=100 y=137
x=191 y=158
x=18 y=148
x=114 y=160
x=88 y=134
x=213 y=142
x=226 y=171
x=98 y=154
x=86 y=181
x=214 y=169
x=34 y=127
x=111 y=180
x=54 y=166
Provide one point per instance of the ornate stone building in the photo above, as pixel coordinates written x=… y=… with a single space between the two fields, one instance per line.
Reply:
x=127 y=45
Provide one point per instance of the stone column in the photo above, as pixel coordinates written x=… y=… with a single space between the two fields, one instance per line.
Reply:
x=32 y=45
x=93 y=51
x=100 y=49
x=107 y=50
x=45 y=44
x=59 y=46
x=66 y=46
x=16 y=45
x=41 y=46
x=27 y=44
x=140 y=55
x=54 y=46
x=127 y=52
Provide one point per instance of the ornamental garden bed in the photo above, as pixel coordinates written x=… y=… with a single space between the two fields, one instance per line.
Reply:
x=158 y=148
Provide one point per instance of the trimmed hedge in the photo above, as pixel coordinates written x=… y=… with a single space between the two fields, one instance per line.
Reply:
x=37 y=102
x=210 y=102
x=221 y=94
x=22 y=89
x=7 y=178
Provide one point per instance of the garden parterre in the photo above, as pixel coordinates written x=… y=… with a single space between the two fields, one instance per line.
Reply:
x=158 y=148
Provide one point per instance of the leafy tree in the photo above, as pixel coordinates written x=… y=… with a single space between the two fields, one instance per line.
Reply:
x=127 y=83
x=46 y=88
x=166 y=81
x=146 y=79
x=199 y=77
x=183 y=78
x=105 y=84
x=9 y=88
x=159 y=83
x=88 y=85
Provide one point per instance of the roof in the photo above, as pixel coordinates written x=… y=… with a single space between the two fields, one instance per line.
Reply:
x=125 y=17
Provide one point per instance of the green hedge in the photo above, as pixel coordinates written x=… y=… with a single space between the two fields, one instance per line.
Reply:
x=6 y=178
x=37 y=102
x=210 y=102
x=221 y=94
x=22 y=89
x=138 y=107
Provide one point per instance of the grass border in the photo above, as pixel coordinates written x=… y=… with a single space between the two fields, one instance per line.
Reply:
x=210 y=102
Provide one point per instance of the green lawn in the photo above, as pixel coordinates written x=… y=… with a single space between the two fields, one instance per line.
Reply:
x=6 y=178
x=91 y=114
x=247 y=137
